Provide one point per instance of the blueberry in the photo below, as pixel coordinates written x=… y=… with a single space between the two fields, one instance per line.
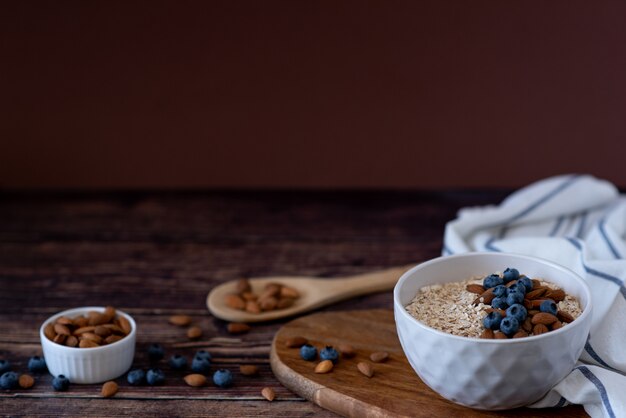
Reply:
x=200 y=365
x=61 y=383
x=517 y=311
x=178 y=362
x=492 y=320
x=548 y=306
x=514 y=297
x=155 y=352
x=510 y=274
x=37 y=364
x=5 y=366
x=329 y=353
x=528 y=284
x=492 y=280
x=8 y=380
x=499 y=303
x=136 y=377
x=223 y=378
x=500 y=290
x=203 y=354
x=518 y=287
x=509 y=325
x=308 y=352
x=155 y=377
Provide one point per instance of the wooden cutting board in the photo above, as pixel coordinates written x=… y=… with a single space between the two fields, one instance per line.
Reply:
x=394 y=390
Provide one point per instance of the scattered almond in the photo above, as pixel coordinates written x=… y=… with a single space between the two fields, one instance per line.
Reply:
x=180 y=320
x=194 y=332
x=346 y=350
x=109 y=389
x=475 y=288
x=324 y=366
x=237 y=328
x=379 y=356
x=365 y=368
x=295 y=342
x=268 y=393
x=195 y=380
x=249 y=369
x=26 y=381
x=544 y=318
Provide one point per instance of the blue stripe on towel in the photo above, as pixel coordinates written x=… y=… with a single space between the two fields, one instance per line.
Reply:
x=489 y=245
x=589 y=349
x=447 y=250
x=558 y=224
x=581 y=226
x=598 y=384
x=605 y=236
x=561 y=403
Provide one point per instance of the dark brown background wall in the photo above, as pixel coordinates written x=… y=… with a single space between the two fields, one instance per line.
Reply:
x=310 y=93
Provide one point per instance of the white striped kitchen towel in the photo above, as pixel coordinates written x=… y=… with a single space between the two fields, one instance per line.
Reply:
x=580 y=222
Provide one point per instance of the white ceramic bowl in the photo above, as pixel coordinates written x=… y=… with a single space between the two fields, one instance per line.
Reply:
x=490 y=374
x=89 y=365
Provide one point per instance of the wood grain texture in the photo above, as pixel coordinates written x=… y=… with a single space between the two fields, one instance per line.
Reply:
x=394 y=390
x=157 y=254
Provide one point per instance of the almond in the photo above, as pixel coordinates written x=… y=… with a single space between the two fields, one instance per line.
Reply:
x=26 y=381
x=527 y=325
x=544 y=318
x=324 y=367
x=97 y=318
x=253 y=307
x=500 y=311
x=284 y=303
x=102 y=331
x=114 y=328
x=242 y=286
x=61 y=329
x=109 y=314
x=59 y=338
x=71 y=341
x=49 y=332
x=195 y=380
x=556 y=295
x=379 y=356
x=527 y=304
x=87 y=344
x=295 y=342
x=268 y=303
x=487 y=334
x=289 y=292
x=268 y=393
x=539 y=329
x=511 y=283
x=194 y=333
x=346 y=350
x=80 y=322
x=365 y=368
x=91 y=336
x=533 y=312
x=271 y=289
x=235 y=302
x=249 y=369
x=556 y=325
x=486 y=297
x=475 y=288
x=536 y=303
x=237 y=328
x=499 y=335
x=82 y=330
x=180 y=320
x=124 y=324
x=564 y=316
x=534 y=294
x=109 y=389
x=520 y=334
x=536 y=283
x=64 y=320
x=249 y=296
x=112 y=339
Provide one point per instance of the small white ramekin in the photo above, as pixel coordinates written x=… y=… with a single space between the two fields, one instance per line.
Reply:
x=89 y=365
x=490 y=374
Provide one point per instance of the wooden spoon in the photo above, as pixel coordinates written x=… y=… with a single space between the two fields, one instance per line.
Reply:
x=314 y=293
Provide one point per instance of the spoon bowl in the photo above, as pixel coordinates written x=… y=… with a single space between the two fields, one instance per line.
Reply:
x=314 y=293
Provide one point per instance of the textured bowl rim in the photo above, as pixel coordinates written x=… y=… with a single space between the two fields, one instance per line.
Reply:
x=84 y=309
x=530 y=339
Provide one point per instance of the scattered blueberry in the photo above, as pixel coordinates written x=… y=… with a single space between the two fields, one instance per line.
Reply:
x=528 y=284
x=178 y=362
x=37 y=364
x=308 y=352
x=155 y=377
x=500 y=290
x=203 y=354
x=200 y=365
x=492 y=280
x=514 y=297
x=517 y=311
x=548 y=306
x=136 y=377
x=499 y=303
x=8 y=380
x=492 y=320
x=223 y=378
x=329 y=353
x=509 y=325
x=5 y=366
x=518 y=287
x=510 y=274
x=155 y=352
x=61 y=383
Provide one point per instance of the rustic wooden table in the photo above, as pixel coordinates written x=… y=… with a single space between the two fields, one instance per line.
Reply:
x=157 y=254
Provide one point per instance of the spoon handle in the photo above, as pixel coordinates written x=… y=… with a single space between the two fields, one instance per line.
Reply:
x=363 y=284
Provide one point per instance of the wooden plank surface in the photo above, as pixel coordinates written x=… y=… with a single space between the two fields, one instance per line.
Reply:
x=155 y=254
